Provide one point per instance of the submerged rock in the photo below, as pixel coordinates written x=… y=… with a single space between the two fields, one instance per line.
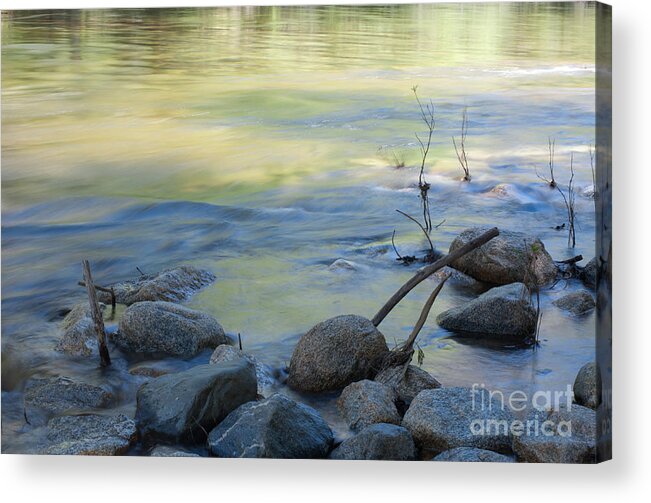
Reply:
x=171 y=285
x=163 y=327
x=472 y=455
x=589 y=273
x=166 y=451
x=379 y=441
x=79 y=336
x=409 y=384
x=366 y=402
x=505 y=258
x=57 y=395
x=90 y=435
x=182 y=407
x=147 y=371
x=587 y=386
x=576 y=303
x=445 y=418
x=335 y=353
x=264 y=373
x=503 y=311
x=343 y=265
x=563 y=436
x=276 y=427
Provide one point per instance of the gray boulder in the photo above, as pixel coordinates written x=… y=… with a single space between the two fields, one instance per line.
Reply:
x=58 y=395
x=563 y=436
x=182 y=407
x=503 y=311
x=587 y=386
x=445 y=418
x=409 y=384
x=472 y=455
x=335 y=353
x=589 y=273
x=505 y=258
x=367 y=402
x=90 y=435
x=263 y=373
x=79 y=336
x=342 y=265
x=576 y=303
x=171 y=285
x=378 y=442
x=166 y=451
x=276 y=427
x=166 y=328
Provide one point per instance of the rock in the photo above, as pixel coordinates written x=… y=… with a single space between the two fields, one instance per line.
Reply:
x=171 y=285
x=90 y=435
x=146 y=371
x=378 y=442
x=79 y=336
x=165 y=451
x=341 y=265
x=505 y=258
x=367 y=402
x=576 y=303
x=587 y=386
x=571 y=438
x=166 y=328
x=276 y=427
x=264 y=373
x=503 y=311
x=335 y=353
x=457 y=278
x=472 y=455
x=182 y=407
x=445 y=418
x=408 y=386
x=58 y=395
x=589 y=273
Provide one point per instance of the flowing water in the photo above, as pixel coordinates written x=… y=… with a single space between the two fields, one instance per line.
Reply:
x=258 y=143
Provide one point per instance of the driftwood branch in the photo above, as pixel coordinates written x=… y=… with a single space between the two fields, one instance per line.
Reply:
x=570 y=261
x=96 y=313
x=427 y=271
x=104 y=289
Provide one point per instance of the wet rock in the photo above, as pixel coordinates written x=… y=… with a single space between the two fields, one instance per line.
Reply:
x=457 y=278
x=90 y=435
x=505 y=258
x=171 y=285
x=587 y=386
x=341 y=265
x=166 y=328
x=472 y=455
x=503 y=311
x=182 y=407
x=562 y=436
x=445 y=418
x=264 y=373
x=276 y=427
x=79 y=336
x=589 y=273
x=576 y=303
x=146 y=371
x=367 y=402
x=379 y=441
x=166 y=451
x=335 y=353
x=58 y=395
x=407 y=386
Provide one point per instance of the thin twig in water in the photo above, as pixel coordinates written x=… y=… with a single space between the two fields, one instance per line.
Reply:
x=569 y=201
x=461 y=156
x=427 y=116
x=549 y=181
x=431 y=245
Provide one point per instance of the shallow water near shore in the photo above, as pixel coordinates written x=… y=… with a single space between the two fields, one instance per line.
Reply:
x=257 y=143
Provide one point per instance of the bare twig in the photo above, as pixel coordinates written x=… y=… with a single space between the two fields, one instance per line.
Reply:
x=461 y=155
x=569 y=201
x=110 y=291
x=431 y=246
x=96 y=313
x=427 y=116
x=549 y=181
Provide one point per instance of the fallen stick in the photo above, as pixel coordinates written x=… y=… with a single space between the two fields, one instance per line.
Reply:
x=96 y=313
x=103 y=289
x=570 y=261
x=427 y=271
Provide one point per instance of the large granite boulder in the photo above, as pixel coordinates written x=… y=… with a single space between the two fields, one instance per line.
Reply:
x=264 y=373
x=166 y=451
x=472 y=455
x=59 y=395
x=276 y=427
x=79 y=337
x=505 y=259
x=577 y=303
x=90 y=435
x=408 y=384
x=167 y=328
x=183 y=407
x=501 y=312
x=445 y=418
x=379 y=441
x=171 y=285
x=367 y=402
x=335 y=353
x=566 y=435
x=587 y=386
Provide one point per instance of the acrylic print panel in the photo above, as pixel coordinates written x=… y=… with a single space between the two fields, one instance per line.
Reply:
x=345 y=232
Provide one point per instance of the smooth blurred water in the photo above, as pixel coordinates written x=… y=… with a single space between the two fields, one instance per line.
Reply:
x=257 y=142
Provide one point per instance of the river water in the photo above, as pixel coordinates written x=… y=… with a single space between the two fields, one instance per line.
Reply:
x=258 y=143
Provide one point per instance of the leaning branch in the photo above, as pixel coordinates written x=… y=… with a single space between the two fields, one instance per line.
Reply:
x=96 y=313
